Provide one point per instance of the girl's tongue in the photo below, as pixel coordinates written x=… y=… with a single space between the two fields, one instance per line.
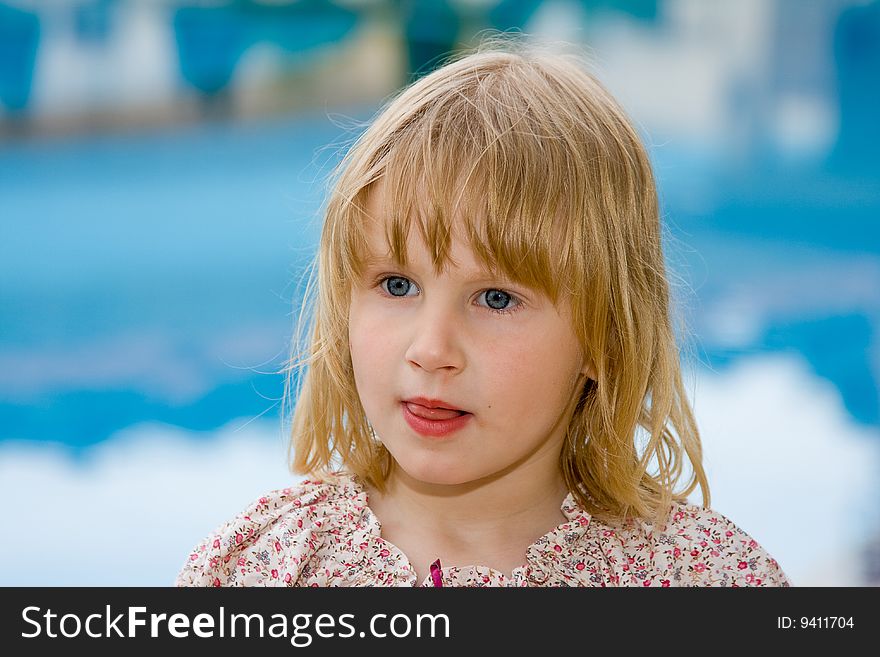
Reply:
x=432 y=413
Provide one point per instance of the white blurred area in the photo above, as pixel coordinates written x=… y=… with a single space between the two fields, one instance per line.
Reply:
x=129 y=513
x=784 y=462
x=134 y=67
x=718 y=73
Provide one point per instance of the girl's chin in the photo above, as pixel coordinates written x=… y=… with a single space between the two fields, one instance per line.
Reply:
x=434 y=473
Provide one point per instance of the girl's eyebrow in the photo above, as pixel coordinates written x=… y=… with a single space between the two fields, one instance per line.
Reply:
x=471 y=276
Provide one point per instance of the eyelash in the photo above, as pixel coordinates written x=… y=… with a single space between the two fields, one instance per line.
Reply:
x=506 y=311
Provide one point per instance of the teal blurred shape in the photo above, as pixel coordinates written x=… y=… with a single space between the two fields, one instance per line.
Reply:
x=511 y=14
x=514 y=14
x=68 y=417
x=857 y=63
x=19 y=38
x=431 y=30
x=211 y=40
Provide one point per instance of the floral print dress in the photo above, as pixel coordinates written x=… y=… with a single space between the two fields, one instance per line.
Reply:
x=322 y=533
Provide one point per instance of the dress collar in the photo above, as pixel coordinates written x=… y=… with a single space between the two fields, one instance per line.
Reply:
x=564 y=556
x=559 y=539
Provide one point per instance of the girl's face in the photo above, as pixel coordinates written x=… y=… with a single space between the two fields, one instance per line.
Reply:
x=501 y=351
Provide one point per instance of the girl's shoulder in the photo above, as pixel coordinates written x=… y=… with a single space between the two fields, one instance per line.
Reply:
x=695 y=546
x=281 y=528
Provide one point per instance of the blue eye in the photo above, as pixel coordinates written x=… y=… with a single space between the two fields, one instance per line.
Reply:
x=498 y=297
x=398 y=286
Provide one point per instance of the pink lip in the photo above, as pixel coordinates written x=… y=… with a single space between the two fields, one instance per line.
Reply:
x=433 y=403
x=435 y=428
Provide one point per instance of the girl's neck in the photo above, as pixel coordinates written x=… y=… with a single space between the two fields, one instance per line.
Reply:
x=486 y=516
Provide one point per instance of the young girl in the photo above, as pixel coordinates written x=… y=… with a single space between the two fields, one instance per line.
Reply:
x=491 y=394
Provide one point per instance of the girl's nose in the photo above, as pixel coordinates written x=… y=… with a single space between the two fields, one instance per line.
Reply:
x=435 y=340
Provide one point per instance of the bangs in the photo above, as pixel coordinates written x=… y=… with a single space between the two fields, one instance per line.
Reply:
x=488 y=167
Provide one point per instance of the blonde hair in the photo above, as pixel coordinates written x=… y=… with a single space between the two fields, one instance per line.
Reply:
x=534 y=146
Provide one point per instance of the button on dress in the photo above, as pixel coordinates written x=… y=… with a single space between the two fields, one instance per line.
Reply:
x=323 y=533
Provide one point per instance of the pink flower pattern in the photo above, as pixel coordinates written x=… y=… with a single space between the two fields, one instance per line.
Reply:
x=325 y=534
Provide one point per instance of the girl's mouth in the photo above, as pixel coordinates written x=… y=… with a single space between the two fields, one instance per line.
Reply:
x=434 y=422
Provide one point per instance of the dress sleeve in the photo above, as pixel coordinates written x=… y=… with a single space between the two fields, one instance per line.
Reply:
x=264 y=545
x=705 y=548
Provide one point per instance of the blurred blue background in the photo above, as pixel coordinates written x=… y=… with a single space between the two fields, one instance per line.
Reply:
x=161 y=176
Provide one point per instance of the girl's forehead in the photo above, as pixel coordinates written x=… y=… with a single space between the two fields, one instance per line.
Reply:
x=461 y=261
x=416 y=203
x=383 y=225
